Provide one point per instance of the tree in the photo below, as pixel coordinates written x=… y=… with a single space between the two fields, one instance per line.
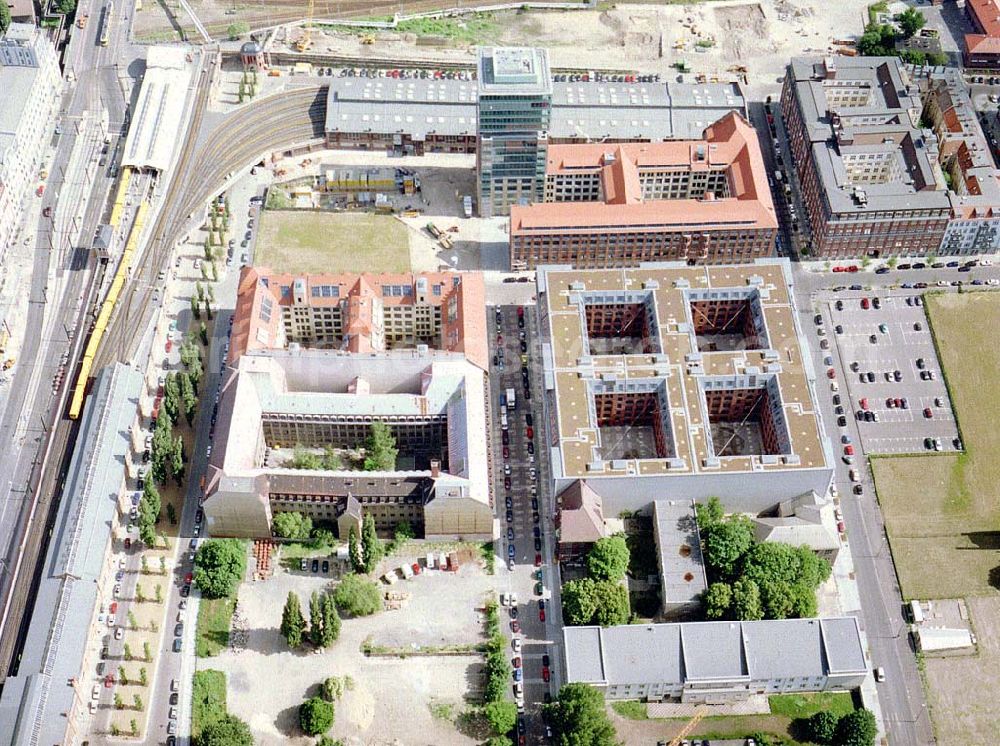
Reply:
x=147 y=652
x=856 y=728
x=332 y=689
x=292 y=622
x=725 y=544
x=380 y=448
x=202 y=328
x=878 y=41
x=219 y=567
x=177 y=460
x=315 y=716
x=910 y=21
x=579 y=717
x=612 y=604
x=354 y=551
x=370 y=543
x=608 y=559
x=171 y=516
x=143 y=676
x=122 y=676
x=315 y=620
x=708 y=514
x=119 y=704
x=4 y=18
x=228 y=730
x=171 y=397
x=746 y=601
x=579 y=601
x=137 y=702
x=718 y=599
x=775 y=598
x=161 y=450
x=149 y=513
x=331 y=620
x=327 y=741
x=501 y=715
x=238 y=29
x=292 y=525
x=189 y=400
x=498 y=741
x=195 y=308
x=357 y=596
x=821 y=727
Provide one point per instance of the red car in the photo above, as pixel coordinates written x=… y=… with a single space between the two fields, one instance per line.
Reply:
x=865 y=303
x=541 y=615
x=545 y=673
x=831 y=374
x=515 y=626
x=864 y=404
x=928 y=413
x=128 y=543
x=169 y=345
x=538 y=560
x=529 y=432
x=848 y=450
x=506 y=453
x=113 y=608
x=852 y=268
x=109 y=681
x=838 y=268
x=188 y=578
x=40 y=190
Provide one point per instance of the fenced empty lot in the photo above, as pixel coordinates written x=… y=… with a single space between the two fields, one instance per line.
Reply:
x=942 y=511
x=305 y=242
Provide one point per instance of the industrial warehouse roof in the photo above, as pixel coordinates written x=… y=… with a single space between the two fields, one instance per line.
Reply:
x=676 y=368
x=37 y=703
x=580 y=111
x=714 y=651
x=152 y=135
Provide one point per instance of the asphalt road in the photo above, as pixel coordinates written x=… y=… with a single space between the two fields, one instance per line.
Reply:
x=527 y=512
x=901 y=696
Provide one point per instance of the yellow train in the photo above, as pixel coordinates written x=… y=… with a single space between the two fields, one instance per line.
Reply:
x=96 y=337
x=119 y=205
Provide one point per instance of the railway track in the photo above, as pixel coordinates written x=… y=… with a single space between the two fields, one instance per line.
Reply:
x=274 y=123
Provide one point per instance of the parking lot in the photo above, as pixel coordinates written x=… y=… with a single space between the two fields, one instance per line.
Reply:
x=894 y=388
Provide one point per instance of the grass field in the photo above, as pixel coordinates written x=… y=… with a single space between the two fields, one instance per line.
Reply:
x=942 y=512
x=308 y=242
x=208 y=699
x=805 y=705
x=214 y=618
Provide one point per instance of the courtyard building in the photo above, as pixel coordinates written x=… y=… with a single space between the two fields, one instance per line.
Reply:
x=699 y=201
x=315 y=361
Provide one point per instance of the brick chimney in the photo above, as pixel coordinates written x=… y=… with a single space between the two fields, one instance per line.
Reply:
x=435 y=469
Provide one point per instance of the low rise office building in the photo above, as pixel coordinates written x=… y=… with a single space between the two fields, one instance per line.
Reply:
x=31 y=85
x=982 y=44
x=700 y=201
x=717 y=662
x=315 y=361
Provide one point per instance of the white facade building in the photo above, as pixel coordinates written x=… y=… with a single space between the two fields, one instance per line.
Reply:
x=31 y=85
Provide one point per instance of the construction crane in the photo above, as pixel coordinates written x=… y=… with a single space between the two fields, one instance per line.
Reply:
x=701 y=712
x=304 y=44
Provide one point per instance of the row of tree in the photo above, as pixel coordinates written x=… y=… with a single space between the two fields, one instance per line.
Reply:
x=180 y=393
x=855 y=728
x=578 y=716
x=323 y=628
x=380 y=453
x=498 y=710
x=601 y=597
x=752 y=580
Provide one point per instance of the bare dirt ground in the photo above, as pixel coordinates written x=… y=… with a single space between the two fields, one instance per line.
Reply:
x=710 y=37
x=962 y=691
x=391 y=700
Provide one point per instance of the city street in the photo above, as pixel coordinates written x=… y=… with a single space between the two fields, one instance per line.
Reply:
x=525 y=508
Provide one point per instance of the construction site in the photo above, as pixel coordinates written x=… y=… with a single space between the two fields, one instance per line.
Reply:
x=724 y=40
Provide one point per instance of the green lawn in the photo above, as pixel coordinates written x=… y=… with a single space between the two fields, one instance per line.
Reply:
x=302 y=241
x=208 y=699
x=804 y=705
x=942 y=511
x=632 y=709
x=214 y=617
x=480 y=28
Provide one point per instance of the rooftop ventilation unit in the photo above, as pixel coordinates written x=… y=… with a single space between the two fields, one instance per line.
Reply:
x=711 y=462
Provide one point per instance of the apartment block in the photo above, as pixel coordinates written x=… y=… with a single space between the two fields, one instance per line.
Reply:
x=31 y=85
x=315 y=361
x=361 y=313
x=699 y=201
x=982 y=46
x=670 y=380
x=717 y=662
x=876 y=181
x=513 y=118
